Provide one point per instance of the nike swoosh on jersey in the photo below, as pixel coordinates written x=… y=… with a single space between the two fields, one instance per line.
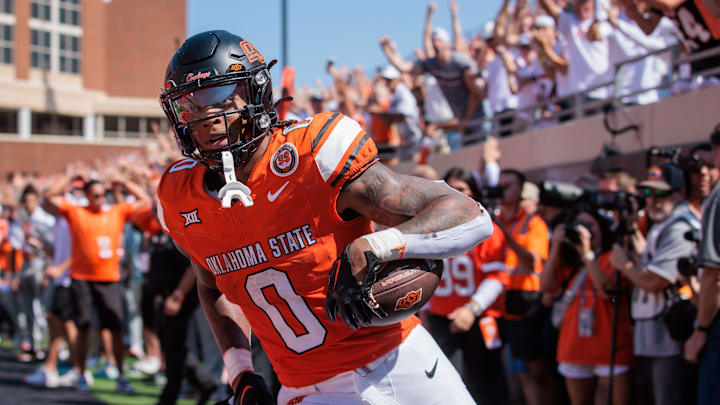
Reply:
x=273 y=196
x=431 y=373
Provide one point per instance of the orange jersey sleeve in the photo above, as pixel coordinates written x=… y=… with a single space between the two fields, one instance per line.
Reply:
x=341 y=148
x=145 y=220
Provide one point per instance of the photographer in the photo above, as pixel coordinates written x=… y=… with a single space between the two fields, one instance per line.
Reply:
x=707 y=334
x=661 y=372
x=698 y=179
x=527 y=243
x=578 y=270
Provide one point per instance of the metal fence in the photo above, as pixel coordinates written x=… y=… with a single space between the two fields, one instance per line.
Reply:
x=557 y=110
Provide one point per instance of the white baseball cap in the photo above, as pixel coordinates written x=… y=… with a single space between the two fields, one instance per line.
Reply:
x=390 y=72
x=544 y=21
x=488 y=30
x=441 y=34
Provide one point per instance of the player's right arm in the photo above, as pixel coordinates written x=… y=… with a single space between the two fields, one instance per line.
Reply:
x=227 y=321
x=232 y=334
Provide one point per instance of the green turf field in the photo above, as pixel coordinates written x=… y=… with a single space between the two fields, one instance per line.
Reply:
x=146 y=392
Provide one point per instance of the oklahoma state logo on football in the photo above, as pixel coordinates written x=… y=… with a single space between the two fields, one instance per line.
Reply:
x=410 y=299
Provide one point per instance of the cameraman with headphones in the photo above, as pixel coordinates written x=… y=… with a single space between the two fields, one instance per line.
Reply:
x=704 y=344
x=661 y=372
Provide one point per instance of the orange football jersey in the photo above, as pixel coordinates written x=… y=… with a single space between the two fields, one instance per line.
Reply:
x=96 y=240
x=273 y=257
x=463 y=274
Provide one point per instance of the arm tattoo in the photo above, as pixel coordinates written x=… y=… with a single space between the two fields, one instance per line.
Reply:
x=412 y=204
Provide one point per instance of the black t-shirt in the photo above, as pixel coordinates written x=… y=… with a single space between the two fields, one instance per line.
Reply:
x=167 y=264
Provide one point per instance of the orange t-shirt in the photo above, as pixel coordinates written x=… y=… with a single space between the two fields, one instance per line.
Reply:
x=6 y=257
x=144 y=219
x=535 y=238
x=595 y=349
x=273 y=258
x=463 y=274
x=532 y=234
x=382 y=132
x=96 y=240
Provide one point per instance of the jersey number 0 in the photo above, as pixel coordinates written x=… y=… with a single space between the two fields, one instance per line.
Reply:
x=314 y=335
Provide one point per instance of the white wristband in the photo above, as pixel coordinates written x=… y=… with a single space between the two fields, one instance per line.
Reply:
x=387 y=245
x=237 y=361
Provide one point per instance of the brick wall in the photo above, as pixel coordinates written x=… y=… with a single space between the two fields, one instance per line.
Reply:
x=141 y=36
x=49 y=157
x=94 y=48
x=22 y=39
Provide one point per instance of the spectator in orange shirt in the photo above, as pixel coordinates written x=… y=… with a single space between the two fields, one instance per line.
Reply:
x=527 y=243
x=95 y=269
x=466 y=305
x=578 y=269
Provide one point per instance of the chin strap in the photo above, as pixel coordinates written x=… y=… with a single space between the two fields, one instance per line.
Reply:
x=233 y=189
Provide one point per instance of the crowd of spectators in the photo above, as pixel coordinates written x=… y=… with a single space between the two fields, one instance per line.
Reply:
x=557 y=307
x=534 y=65
x=81 y=251
x=593 y=297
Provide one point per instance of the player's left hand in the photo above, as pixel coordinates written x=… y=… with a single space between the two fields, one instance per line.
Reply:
x=348 y=297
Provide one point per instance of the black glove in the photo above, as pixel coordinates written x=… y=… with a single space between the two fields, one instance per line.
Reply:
x=353 y=301
x=251 y=390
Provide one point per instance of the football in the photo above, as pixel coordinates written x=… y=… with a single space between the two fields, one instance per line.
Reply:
x=402 y=287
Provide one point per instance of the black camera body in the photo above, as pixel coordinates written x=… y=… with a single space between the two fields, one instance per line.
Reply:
x=491 y=193
x=572 y=232
x=566 y=195
x=691 y=163
x=688 y=266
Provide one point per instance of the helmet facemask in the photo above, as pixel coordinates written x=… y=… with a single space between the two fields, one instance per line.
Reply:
x=233 y=112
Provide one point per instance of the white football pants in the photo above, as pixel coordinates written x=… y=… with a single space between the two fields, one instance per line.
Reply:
x=414 y=373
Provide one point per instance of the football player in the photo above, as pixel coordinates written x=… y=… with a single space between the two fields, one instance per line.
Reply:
x=275 y=217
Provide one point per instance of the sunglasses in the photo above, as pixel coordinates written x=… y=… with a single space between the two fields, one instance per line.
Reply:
x=96 y=196
x=653 y=192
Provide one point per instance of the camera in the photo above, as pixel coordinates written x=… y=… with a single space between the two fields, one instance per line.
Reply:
x=572 y=234
x=688 y=266
x=491 y=193
x=671 y=154
x=691 y=163
x=565 y=195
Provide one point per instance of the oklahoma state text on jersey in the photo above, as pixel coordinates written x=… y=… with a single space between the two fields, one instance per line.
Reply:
x=273 y=258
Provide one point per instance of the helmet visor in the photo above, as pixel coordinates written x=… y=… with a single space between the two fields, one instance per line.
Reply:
x=210 y=101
